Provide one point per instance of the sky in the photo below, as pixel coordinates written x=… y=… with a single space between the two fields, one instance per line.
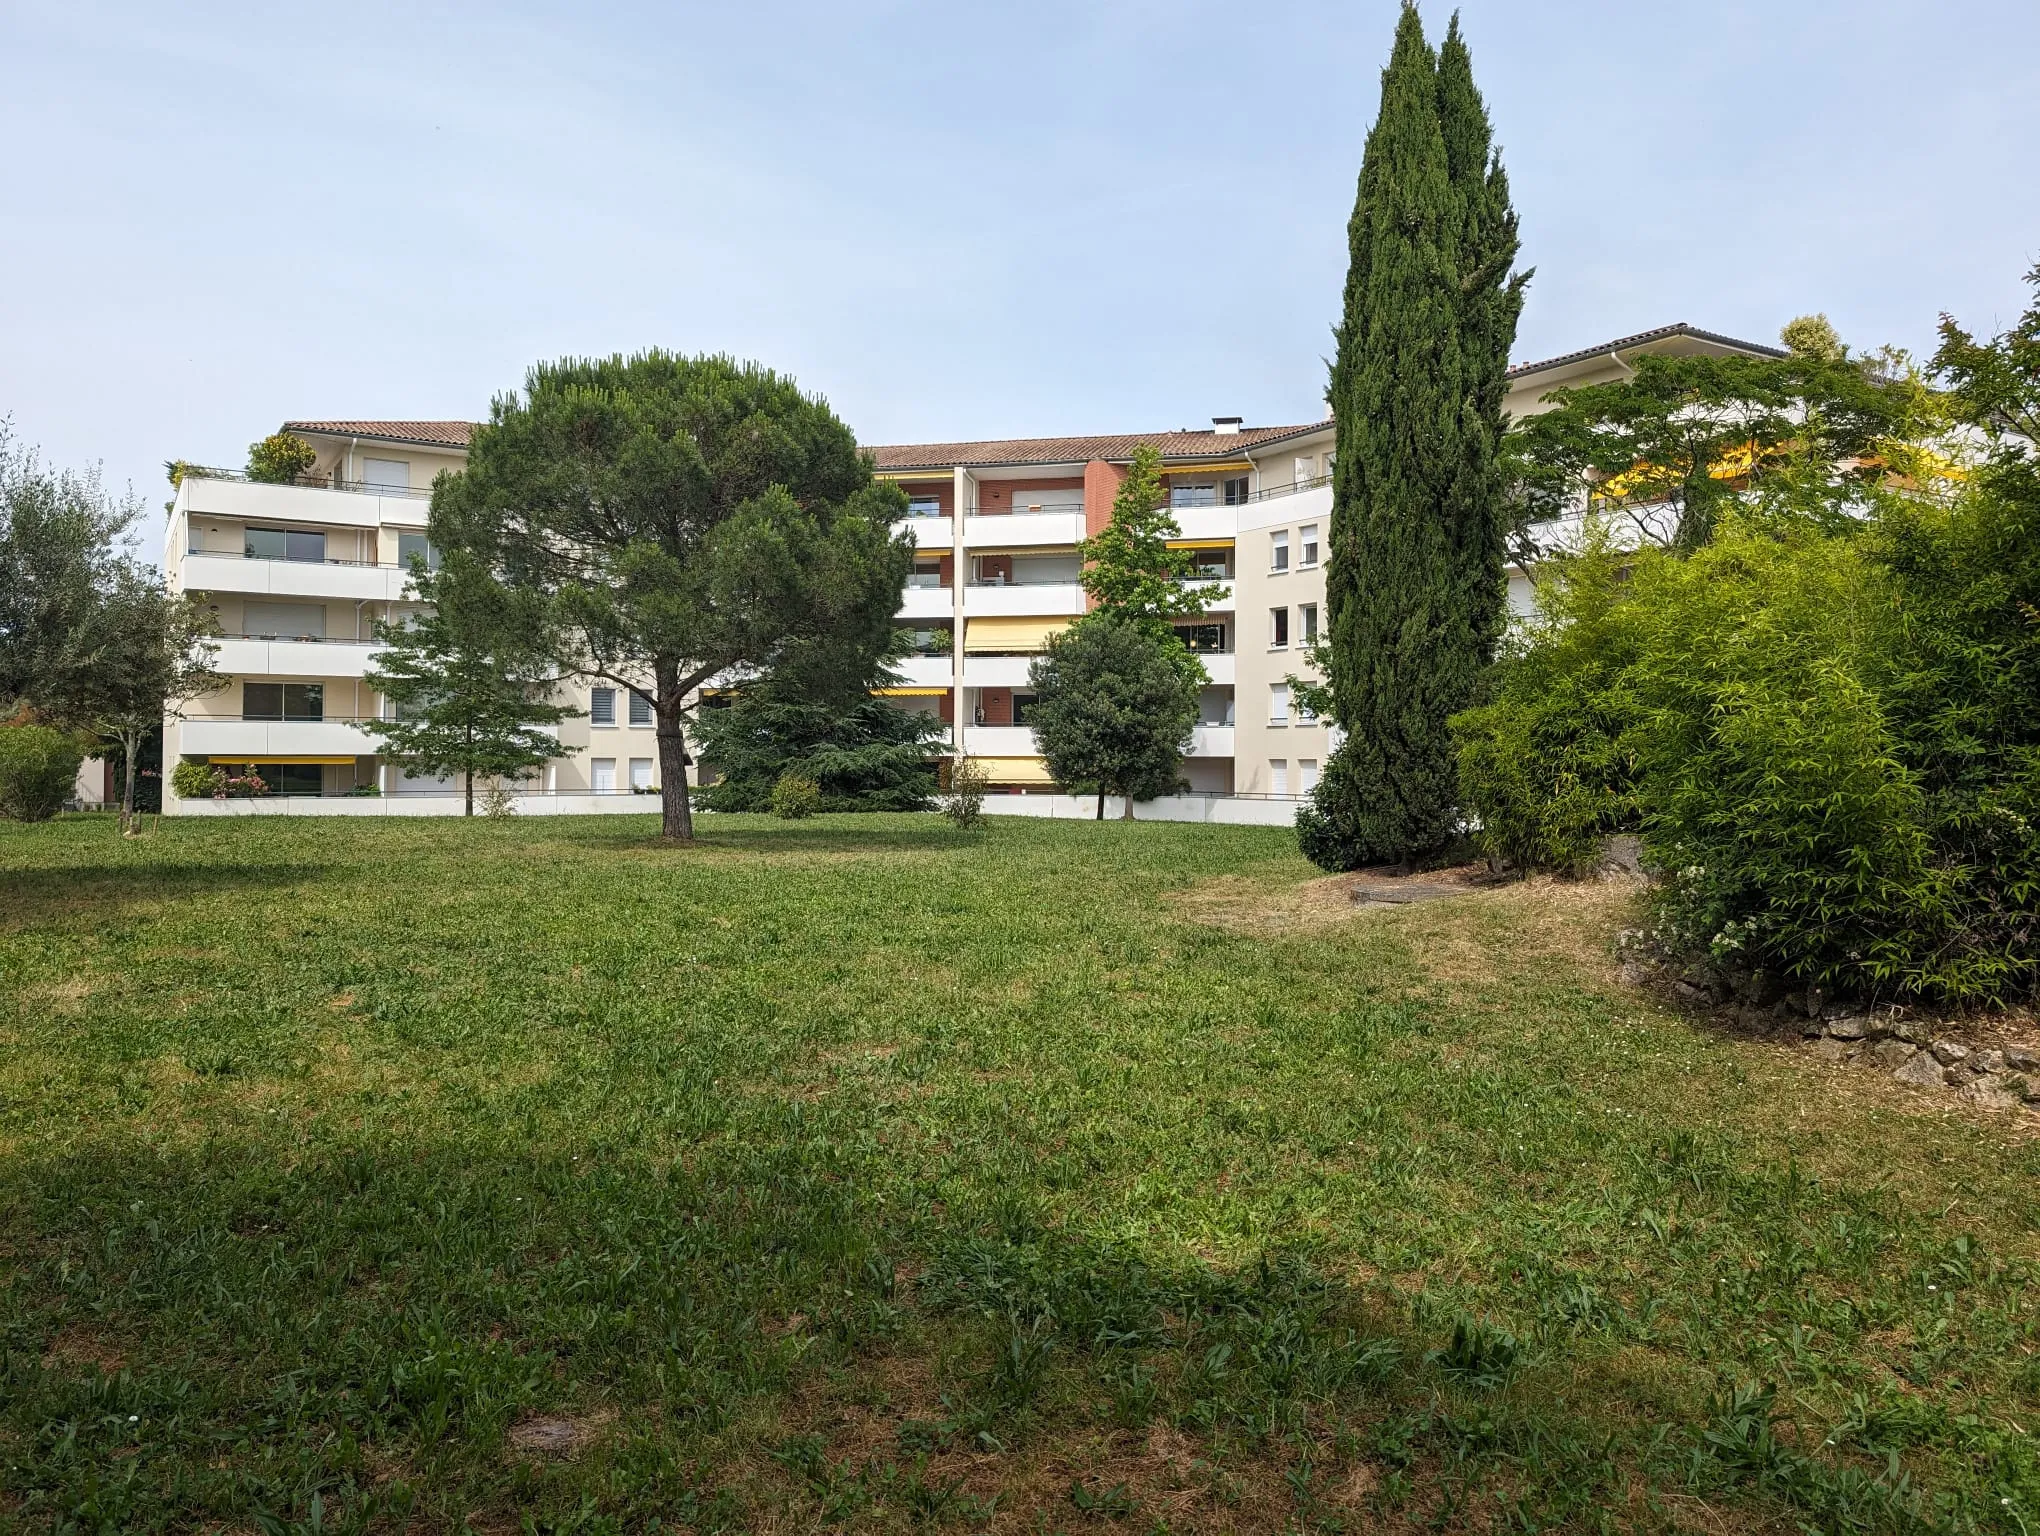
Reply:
x=952 y=220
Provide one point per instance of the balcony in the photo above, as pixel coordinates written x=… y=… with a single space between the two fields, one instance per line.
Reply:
x=927 y=603
x=1211 y=741
x=930 y=532
x=1023 y=530
x=925 y=671
x=1219 y=666
x=996 y=671
x=253 y=741
x=1056 y=598
x=347 y=581
x=352 y=507
x=1000 y=741
x=245 y=656
x=1207 y=522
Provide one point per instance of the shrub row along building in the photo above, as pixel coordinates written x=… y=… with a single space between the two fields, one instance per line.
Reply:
x=294 y=575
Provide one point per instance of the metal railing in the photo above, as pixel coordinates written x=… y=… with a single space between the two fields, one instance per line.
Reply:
x=228 y=554
x=1017 y=581
x=295 y=639
x=307 y=482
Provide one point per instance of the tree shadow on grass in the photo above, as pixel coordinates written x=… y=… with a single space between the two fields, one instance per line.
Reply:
x=29 y=896
x=222 y=1333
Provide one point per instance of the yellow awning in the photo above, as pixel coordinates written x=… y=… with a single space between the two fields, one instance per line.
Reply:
x=1014 y=770
x=909 y=693
x=274 y=757
x=1201 y=543
x=913 y=474
x=1010 y=634
x=1208 y=469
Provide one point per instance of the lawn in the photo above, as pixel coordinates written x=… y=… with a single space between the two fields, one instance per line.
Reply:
x=413 y=1175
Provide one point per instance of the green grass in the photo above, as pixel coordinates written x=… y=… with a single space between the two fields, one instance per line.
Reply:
x=861 y=1172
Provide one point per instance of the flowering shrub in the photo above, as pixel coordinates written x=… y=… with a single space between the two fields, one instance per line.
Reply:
x=216 y=781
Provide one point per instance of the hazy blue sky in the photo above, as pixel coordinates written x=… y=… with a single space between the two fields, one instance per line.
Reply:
x=953 y=220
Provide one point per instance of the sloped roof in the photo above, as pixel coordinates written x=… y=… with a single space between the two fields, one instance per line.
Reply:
x=432 y=434
x=1116 y=448
x=1623 y=343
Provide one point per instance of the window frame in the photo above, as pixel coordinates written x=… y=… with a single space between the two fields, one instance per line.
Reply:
x=1278 y=552
x=601 y=700
x=1307 y=547
x=1278 y=628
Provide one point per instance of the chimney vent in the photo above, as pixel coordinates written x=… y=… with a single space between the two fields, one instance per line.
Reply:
x=1225 y=426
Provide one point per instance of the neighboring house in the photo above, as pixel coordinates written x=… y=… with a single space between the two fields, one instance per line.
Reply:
x=294 y=574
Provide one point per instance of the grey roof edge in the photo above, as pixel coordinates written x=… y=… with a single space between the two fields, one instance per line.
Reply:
x=1524 y=370
x=1175 y=460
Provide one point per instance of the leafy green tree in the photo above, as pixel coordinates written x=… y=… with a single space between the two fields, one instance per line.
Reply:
x=1681 y=440
x=684 y=519
x=1412 y=584
x=1130 y=572
x=277 y=460
x=63 y=541
x=469 y=683
x=1112 y=711
x=1813 y=336
x=145 y=652
x=863 y=755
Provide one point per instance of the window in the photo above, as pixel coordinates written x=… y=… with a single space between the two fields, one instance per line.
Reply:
x=1023 y=708
x=1306 y=557
x=924 y=506
x=292 y=778
x=409 y=544
x=927 y=573
x=640 y=709
x=1208 y=565
x=283 y=701
x=1193 y=495
x=1278 y=628
x=1207 y=638
x=1306 y=468
x=1278 y=775
x=641 y=773
x=386 y=474
x=1278 y=550
x=602 y=775
x=933 y=640
x=1236 y=492
x=1306 y=622
x=284 y=621
x=1305 y=715
x=602 y=710
x=1278 y=703
x=1306 y=775
x=283 y=544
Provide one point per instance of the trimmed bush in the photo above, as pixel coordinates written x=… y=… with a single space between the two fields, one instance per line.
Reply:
x=796 y=797
x=280 y=458
x=38 y=770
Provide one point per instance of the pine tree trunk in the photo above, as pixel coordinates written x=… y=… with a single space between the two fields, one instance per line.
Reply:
x=677 y=818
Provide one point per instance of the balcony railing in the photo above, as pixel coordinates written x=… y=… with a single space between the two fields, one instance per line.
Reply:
x=1022 y=581
x=234 y=634
x=362 y=565
x=307 y=482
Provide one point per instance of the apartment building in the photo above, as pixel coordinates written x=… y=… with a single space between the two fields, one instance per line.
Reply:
x=296 y=574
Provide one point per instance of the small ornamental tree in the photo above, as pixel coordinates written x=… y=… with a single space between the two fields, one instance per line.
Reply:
x=1130 y=572
x=468 y=680
x=277 y=460
x=862 y=755
x=145 y=653
x=1113 y=712
x=684 y=519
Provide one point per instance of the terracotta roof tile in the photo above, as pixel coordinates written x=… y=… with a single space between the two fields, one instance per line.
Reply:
x=1205 y=444
x=435 y=434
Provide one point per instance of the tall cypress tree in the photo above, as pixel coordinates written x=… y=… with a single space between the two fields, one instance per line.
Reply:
x=1413 y=581
x=1491 y=302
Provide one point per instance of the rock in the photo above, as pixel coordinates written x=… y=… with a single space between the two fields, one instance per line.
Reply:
x=1948 y=1052
x=1815 y=1002
x=1988 y=1061
x=1993 y=1093
x=2025 y=1087
x=1855 y=1028
x=2022 y=1058
x=1828 y=1048
x=1810 y=1029
x=1689 y=992
x=1921 y=1070
x=1632 y=974
x=1908 y=1030
x=1890 y=1054
x=1622 y=854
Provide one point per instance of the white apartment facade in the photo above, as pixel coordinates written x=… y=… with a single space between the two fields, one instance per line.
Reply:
x=294 y=575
